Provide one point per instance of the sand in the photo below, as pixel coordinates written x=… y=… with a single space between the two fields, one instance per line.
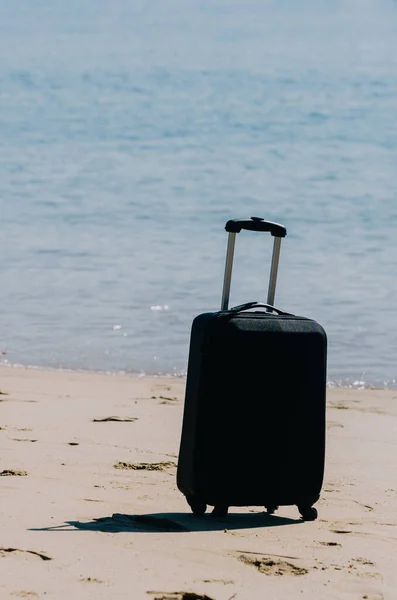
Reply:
x=90 y=509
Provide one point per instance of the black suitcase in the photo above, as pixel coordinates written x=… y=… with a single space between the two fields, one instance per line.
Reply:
x=253 y=429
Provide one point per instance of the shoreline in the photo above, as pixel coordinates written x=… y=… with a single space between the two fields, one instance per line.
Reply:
x=356 y=385
x=89 y=500
x=91 y=372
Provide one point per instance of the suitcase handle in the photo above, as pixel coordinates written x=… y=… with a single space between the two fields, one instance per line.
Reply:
x=256 y=224
x=234 y=226
x=248 y=305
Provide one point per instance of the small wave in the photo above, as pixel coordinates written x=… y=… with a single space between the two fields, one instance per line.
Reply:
x=360 y=384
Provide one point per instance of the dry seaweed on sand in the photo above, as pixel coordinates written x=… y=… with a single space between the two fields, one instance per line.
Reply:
x=270 y=566
x=41 y=555
x=160 y=466
x=179 y=596
x=115 y=419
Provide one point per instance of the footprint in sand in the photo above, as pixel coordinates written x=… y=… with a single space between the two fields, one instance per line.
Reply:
x=7 y=551
x=161 y=466
x=270 y=566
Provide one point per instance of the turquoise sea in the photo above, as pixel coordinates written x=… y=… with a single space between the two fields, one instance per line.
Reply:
x=130 y=131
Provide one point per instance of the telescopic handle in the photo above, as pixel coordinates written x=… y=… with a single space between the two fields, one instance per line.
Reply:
x=254 y=224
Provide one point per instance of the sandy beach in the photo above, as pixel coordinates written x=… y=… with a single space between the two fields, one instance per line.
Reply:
x=90 y=508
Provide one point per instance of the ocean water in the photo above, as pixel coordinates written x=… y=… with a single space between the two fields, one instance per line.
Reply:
x=132 y=130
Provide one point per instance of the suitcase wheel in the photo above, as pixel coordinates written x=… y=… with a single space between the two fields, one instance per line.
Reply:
x=198 y=506
x=271 y=509
x=220 y=511
x=308 y=513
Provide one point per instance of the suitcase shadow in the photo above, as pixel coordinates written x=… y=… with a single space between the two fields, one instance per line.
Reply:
x=175 y=522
